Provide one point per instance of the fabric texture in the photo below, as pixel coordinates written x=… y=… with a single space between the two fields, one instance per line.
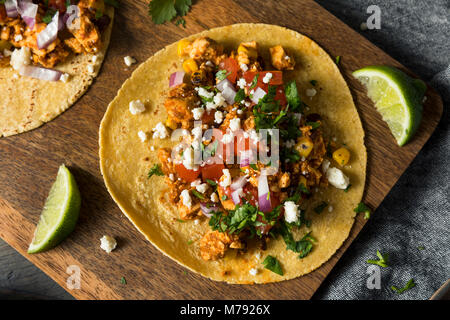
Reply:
x=412 y=223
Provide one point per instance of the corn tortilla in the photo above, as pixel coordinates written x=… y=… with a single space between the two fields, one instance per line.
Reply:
x=125 y=160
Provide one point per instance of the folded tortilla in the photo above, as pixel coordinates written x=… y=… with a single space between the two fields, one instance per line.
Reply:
x=125 y=160
x=27 y=103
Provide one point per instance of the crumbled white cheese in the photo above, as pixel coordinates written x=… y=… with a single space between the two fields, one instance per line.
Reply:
x=286 y=57
x=20 y=57
x=258 y=255
x=214 y=197
x=243 y=67
x=152 y=148
x=196 y=221
x=186 y=198
x=160 y=131
x=202 y=187
x=337 y=178
x=136 y=106
x=254 y=136
x=290 y=212
x=171 y=177
x=225 y=179
x=227 y=138
x=325 y=165
x=218 y=117
x=235 y=124
x=198 y=113
x=267 y=77
x=142 y=135
x=64 y=77
x=241 y=83
x=197 y=132
x=90 y=68
x=204 y=93
x=18 y=38
x=196 y=182
x=108 y=243
x=129 y=61
x=189 y=159
x=247 y=103
x=311 y=92
x=253 y=271
x=94 y=59
x=219 y=100
x=330 y=208
x=209 y=64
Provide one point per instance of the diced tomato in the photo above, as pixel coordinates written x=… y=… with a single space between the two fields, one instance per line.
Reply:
x=2 y=12
x=281 y=96
x=59 y=5
x=277 y=79
x=212 y=171
x=232 y=67
x=251 y=194
x=207 y=117
x=186 y=174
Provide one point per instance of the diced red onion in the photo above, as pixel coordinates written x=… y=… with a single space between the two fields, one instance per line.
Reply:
x=263 y=190
x=208 y=211
x=246 y=158
x=257 y=95
x=28 y=11
x=49 y=34
x=11 y=8
x=235 y=196
x=239 y=183
x=227 y=90
x=176 y=79
x=40 y=73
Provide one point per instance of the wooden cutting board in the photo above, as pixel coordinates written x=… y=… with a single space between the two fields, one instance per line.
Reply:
x=29 y=162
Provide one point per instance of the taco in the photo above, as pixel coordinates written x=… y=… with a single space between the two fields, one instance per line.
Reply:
x=214 y=203
x=50 y=52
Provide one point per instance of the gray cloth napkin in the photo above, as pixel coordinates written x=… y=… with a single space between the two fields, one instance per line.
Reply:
x=412 y=223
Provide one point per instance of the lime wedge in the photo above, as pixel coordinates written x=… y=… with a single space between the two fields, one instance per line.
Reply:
x=397 y=97
x=60 y=213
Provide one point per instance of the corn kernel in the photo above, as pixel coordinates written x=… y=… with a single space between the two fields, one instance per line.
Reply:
x=181 y=48
x=171 y=124
x=304 y=146
x=341 y=156
x=252 y=53
x=189 y=65
x=303 y=181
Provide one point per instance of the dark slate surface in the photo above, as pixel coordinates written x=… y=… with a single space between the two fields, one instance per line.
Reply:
x=415 y=213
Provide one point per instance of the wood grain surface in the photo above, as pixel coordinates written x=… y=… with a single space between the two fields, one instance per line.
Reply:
x=29 y=162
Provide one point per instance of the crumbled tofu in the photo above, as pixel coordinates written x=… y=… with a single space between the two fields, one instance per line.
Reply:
x=142 y=135
x=267 y=77
x=108 y=243
x=186 y=198
x=136 y=106
x=225 y=179
x=311 y=92
x=129 y=61
x=290 y=212
x=160 y=131
x=198 y=113
x=214 y=197
x=90 y=68
x=337 y=178
x=202 y=187
x=64 y=77
x=20 y=57
x=235 y=124
x=253 y=271
x=218 y=117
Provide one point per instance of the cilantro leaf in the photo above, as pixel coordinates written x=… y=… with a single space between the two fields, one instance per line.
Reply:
x=254 y=81
x=382 y=262
x=410 y=284
x=240 y=95
x=292 y=96
x=211 y=182
x=182 y=6
x=47 y=18
x=314 y=125
x=155 y=170
x=165 y=10
x=313 y=82
x=222 y=74
x=272 y=264
x=363 y=208
x=198 y=194
x=320 y=207
x=123 y=280
x=338 y=59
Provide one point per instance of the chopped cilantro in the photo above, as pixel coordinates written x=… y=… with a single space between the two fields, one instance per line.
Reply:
x=181 y=221
x=320 y=207
x=382 y=260
x=211 y=183
x=338 y=59
x=240 y=95
x=346 y=189
x=163 y=10
x=224 y=197
x=190 y=242
x=272 y=264
x=253 y=166
x=98 y=14
x=254 y=81
x=47 y=18
x=302 y=188
x=180 y=21
x=292 y=96
x=123 y=280
x=155 y=170
x=68 y=3
x=222 y=74
x=113 y=3
x=198 y=194
x=313 y=82
x=314 y=125
x=363 y=208
x=410 y=284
